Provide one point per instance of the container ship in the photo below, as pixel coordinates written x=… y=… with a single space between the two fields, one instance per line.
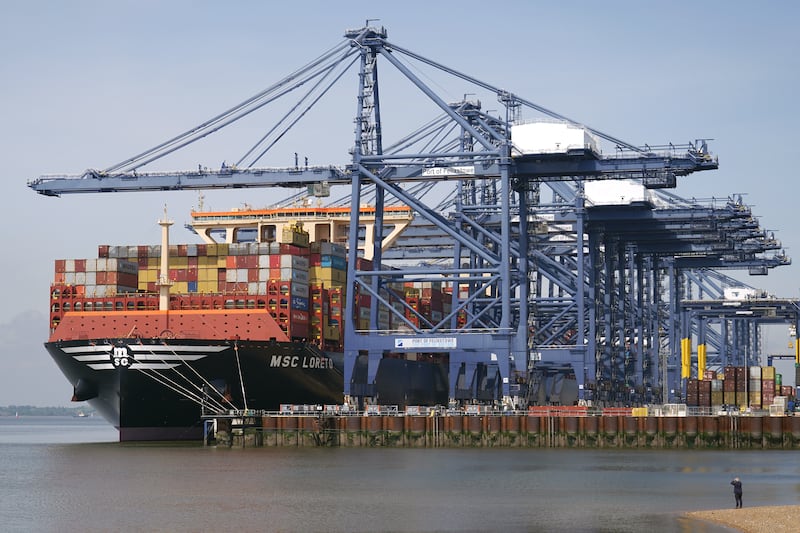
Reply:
x=155 y=336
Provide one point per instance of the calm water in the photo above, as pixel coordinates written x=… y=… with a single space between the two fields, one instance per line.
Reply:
x=70 y=474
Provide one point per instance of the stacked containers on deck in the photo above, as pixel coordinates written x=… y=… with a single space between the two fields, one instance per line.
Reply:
x=90 y=285
x=327 y=278
x=97 y=277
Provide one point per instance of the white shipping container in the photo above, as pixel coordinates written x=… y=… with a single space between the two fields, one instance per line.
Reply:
x=252 y=287
x=550 y=138
x=263 y=274
x=102 y=264
x=230 y=275
x=263 y=261
x=80 y=278
x=69 y=265
x=91 y=265
x=91 y=278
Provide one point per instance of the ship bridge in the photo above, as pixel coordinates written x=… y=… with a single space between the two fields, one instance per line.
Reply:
x=323 y=224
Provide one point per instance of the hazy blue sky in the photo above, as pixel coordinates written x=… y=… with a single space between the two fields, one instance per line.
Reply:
x=85 y=84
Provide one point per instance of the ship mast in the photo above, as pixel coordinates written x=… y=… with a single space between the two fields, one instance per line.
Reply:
x=164 y=282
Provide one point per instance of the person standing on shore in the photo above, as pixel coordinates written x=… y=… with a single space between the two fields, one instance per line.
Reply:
x=737 y=491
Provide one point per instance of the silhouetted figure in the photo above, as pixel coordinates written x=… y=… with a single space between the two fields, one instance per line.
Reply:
x=737 y=491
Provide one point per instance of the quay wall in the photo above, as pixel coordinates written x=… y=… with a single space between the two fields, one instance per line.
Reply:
x=514 y=430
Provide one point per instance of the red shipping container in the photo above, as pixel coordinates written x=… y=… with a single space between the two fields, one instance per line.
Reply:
x=80 y=265
x=432 y=293
x=252 y=275
x=102 y=251
x=298 y=330
x=192 y=261
x=299 y=317
x=61 y=265
x=230 y=261
x=314 y=260
x=275 y=262
x=143 y=262
x=183 y=250
x=142 y=251
x=202 y=250
x=363 y=264
x=291 y=249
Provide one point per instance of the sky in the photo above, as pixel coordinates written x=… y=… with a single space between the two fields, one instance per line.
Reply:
x=86 y=84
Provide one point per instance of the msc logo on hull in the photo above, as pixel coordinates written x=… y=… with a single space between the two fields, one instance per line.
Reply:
x=120 y=357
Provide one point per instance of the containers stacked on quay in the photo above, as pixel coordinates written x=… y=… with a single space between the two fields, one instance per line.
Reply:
x=754 y=387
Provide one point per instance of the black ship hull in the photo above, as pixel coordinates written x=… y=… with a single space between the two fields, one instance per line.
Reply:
x=157 y=389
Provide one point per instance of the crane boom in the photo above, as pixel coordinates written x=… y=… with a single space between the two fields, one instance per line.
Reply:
x=224 y=178
x=655 y=169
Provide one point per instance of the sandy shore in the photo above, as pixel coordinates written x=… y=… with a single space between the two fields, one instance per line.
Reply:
x=779 y=519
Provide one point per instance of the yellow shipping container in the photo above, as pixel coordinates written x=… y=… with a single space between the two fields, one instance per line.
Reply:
x=741 y=399
x=755 y=399
x=207 y=274
x=328 y=276
x=209 y=286
x=331 y=333
x=179 y=287
x=767 y=372
x=717 y=398
x=180 y=262
x=149 y=275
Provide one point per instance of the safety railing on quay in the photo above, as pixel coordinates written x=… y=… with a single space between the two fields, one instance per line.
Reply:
x=665 y=410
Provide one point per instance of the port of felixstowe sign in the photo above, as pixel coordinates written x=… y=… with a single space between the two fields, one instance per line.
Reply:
x=416 y=343
x=467 y=170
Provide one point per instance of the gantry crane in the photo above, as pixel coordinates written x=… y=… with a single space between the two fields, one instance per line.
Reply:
x=536 y=284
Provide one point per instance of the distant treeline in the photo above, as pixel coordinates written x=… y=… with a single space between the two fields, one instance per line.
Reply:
x=31 y=410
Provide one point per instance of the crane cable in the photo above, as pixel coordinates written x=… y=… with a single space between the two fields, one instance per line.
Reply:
x=135 y=161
